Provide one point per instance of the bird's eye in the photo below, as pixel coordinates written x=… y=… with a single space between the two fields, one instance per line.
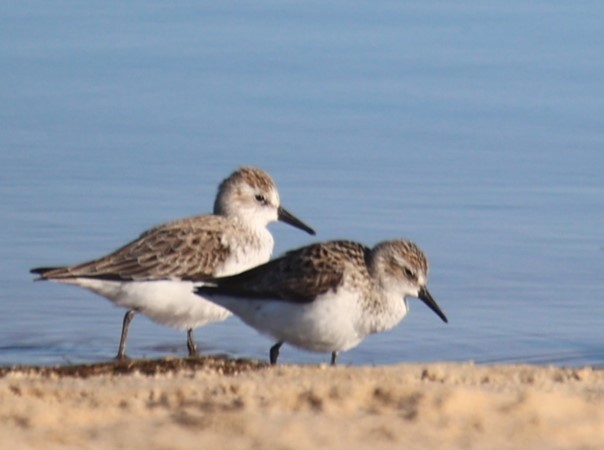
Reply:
x=409 y=273
x=260 y=198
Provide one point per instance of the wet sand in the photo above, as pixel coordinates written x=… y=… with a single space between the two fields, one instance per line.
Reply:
x=217 y=403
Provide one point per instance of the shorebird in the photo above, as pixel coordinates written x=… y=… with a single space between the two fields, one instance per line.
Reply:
x=152 y=274
x=327 y=297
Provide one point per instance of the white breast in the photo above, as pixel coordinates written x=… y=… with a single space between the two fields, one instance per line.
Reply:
x=250 y=248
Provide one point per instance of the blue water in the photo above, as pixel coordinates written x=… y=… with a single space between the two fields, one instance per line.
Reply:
x=477 y=130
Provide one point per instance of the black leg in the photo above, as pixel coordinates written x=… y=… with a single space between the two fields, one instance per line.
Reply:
x=334 y=355
x=121 y=351
x=274 y=353
x=191 y=344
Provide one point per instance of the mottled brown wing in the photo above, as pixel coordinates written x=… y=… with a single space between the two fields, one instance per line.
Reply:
x=187 y=249
x=298 y=276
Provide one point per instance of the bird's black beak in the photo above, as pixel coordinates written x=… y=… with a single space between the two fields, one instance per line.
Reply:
x=284 y=216
x=424 y=296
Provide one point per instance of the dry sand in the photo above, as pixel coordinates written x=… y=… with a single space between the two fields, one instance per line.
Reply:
x=214 y=403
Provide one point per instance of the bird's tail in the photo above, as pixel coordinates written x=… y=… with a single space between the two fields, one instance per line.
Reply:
x=50 y=273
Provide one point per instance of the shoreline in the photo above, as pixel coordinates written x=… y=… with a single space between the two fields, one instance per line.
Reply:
x=216 y=402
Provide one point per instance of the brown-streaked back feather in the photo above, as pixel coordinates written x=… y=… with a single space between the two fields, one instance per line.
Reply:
x=298 y=276
x=190 y=248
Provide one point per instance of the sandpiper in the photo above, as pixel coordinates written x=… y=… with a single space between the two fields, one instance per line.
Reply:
x=327 y=297
x=152 y=274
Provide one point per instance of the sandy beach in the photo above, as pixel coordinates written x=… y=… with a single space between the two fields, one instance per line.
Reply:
x=216 y=403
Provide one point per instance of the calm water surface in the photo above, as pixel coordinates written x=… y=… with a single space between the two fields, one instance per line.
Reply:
x=476 y=131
